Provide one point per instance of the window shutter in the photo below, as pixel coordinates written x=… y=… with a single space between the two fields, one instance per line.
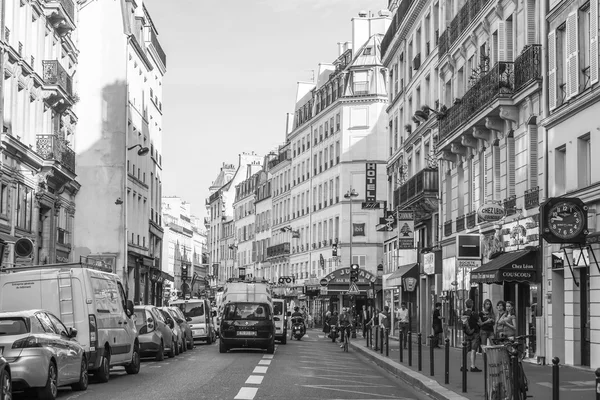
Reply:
x=487 y=191
x=510 y=165
x=476 y=172
x=593 y=41
x=501 y=41
x=508 y=26
x=552 y=70
x=496 y=173
x=531 y=22
x=572 y=56
x=533 y=155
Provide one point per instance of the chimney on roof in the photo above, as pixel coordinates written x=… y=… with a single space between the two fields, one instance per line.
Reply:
x=360 y=30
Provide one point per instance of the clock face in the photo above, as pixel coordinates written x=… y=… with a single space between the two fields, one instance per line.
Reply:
x=565 y=220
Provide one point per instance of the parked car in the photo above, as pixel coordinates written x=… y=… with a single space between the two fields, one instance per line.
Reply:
x=43 y=354
x=156 y=337
x=198 y=314
x=176 y=329
x=5 y=379
x=185 y=327
x=87 y=298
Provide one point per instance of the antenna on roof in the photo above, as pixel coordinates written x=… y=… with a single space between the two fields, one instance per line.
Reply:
x=312 y=74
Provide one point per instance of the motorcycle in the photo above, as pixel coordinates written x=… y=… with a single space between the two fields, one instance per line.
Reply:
x=298 y=327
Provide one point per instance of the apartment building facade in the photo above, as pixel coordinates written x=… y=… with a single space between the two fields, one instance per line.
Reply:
x=38 y=184
x=120 y=158
x=245 y=225
x=410 y=55
x=264 y=208
x=570 y=126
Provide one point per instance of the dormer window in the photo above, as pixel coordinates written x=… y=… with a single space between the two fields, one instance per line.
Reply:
x=367 y=51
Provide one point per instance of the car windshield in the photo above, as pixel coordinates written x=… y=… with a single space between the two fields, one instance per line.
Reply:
x=277 y=308
x=191 y=310
x=246 y=311
x=13 y=326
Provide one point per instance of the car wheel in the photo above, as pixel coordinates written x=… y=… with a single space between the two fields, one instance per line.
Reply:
x=172 y=352
x=50 y=391
x=5 y=385
x=183 y=346
x=134 y=367
x=209 y=339
x=271 y=348
x=160 y=354
x=222 y=347
x=176 y=348
x=102 y=374
x=83 y=377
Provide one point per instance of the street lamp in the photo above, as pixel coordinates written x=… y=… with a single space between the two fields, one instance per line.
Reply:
x=142 y=151
x=349 y=195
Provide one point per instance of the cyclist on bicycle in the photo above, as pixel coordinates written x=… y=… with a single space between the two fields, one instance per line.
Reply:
x=344 y=324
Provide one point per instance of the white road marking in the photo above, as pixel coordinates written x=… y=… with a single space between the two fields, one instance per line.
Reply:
x=268 y=356
x=260 y=370
x=264 y=362
x=246 y=393
x=254 y=380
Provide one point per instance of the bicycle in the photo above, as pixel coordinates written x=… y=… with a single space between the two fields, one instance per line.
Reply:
x=345 y=337
x=516 y=348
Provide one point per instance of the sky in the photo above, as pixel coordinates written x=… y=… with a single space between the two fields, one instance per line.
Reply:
x=232 y=70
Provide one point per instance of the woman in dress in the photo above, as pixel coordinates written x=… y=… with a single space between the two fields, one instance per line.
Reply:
x=499 y=328
x=488 y=320
x=510 y=321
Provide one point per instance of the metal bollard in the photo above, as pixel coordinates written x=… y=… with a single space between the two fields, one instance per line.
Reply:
x=515 y=376
x=382 y=333
x=485 y=376
x=447 y=361
x=431 y=368
x=598 y=384
x=376 y=338
x=464 y=367
x=409 y=340
x=387 y=343
x=401 y=348
x=555 y=380
x=419 y=353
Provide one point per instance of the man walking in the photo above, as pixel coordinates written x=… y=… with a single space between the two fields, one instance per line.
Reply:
x=365 y=318
x=402 y=317
x=470 y=322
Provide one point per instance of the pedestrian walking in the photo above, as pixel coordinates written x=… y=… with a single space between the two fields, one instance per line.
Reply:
x=488 y=320
x=470 y=320
x=403 y=320
x=365 y=317
x=437 y=325
x=385 y=320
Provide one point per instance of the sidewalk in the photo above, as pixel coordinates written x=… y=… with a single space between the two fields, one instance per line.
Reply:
x=575 y=383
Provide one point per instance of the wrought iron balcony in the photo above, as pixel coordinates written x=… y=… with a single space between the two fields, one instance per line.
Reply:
x=498 y=82
x=158 y=48
x=467 y=14
x=396 y=23
x=528 y=66
x=448 y=228
x=532 y=198
x=471 y=219
x=510 y=205
x=55 y=75
x=61 y=13
x=460 y=223
x=282 y=249
x=421 y=189
x=51 y=147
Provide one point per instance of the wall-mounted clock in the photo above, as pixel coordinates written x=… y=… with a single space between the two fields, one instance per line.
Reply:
x=564 y=220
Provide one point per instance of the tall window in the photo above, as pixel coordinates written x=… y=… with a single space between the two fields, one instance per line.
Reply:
x=24 y=207
x=560 y=166
x=584 y=166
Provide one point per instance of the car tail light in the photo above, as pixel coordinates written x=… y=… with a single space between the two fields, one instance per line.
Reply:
x=93 y=333
x=28 y=342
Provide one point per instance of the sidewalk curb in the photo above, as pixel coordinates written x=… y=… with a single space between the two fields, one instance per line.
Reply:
x=415 y=379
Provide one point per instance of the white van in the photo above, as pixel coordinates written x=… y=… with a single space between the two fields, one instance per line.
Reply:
x=86 y=298
x=280 y=318
x=199 y=315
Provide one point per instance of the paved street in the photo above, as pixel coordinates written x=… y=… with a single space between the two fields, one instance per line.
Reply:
x=313 y=368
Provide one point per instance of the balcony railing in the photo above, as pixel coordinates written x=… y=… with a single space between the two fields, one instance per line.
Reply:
x=532 y=198
x=397 y=20
x=51 y=147
x=425 y=181
x=448 y=228
x=361 y=88
x=528 y=66
x=69 y=8
x=157 y=46
x=466 y=15
x=55 y=74
x=460 y=223
x=498 y=82
x=278 y=250
x=510 y=205
x=471 y=220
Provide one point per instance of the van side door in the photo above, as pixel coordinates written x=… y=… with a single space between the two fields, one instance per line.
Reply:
x=125 y=325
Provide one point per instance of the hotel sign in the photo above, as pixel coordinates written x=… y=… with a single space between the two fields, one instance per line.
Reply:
x=371 y=182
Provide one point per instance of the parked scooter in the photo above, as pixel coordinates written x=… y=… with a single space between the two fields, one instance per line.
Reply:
x=298 y=328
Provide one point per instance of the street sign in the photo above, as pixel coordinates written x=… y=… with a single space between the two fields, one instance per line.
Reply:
x=323 y=282
x=353 y=288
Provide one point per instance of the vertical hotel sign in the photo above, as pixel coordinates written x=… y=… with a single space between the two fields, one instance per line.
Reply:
x=371 y=182
x=406 y=229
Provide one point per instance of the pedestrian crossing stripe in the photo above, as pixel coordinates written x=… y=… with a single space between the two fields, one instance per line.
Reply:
x=353 y=288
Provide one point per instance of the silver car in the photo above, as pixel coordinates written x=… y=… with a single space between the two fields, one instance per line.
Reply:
x=43 y=354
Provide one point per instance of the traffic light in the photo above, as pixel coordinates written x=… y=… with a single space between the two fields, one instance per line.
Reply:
x=334 y=250
x=184 y=272
x=354 y=273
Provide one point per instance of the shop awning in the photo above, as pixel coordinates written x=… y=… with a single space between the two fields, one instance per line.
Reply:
x=516 y=266
x=403 y=271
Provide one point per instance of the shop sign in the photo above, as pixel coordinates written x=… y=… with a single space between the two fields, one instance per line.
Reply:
x=491 y=212
x=463 y=273
x=342 y=275
x=520 y=233
x=406 y=229
x=371 y=182
x=429 y=263
x=410 y=284
x=358 y=229
x=468 y=247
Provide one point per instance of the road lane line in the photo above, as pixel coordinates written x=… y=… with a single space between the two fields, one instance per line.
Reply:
x=254 y=380
x=246 y=393
x=264 y=362
x=268 y=356
x=260 y=370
